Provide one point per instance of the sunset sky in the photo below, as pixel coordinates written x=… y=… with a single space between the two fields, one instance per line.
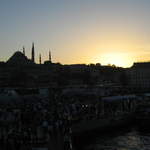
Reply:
x=77 y=31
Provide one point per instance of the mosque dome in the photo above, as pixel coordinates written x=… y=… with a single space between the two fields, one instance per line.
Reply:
x=19 y=58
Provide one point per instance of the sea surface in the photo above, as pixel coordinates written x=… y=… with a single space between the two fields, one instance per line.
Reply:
x=131 y=139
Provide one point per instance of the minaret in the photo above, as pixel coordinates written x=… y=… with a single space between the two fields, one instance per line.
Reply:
x=24 y=50
x=32 y=53
x=50 y=59
x=40 y=59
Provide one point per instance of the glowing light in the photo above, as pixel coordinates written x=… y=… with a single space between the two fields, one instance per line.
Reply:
x=117 y=59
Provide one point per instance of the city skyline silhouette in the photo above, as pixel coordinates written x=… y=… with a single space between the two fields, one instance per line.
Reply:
x=88 y=31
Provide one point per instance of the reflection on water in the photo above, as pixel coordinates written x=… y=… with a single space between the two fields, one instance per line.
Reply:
x=131 y=140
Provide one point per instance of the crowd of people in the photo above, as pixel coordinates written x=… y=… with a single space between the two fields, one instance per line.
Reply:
x=41 y=121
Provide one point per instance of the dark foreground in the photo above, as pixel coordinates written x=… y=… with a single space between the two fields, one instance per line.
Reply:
x=126 y=139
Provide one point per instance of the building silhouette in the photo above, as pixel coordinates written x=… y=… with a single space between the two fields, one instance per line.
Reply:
x=40 y=59
x=139 y=75
x=50 y=59
x=24 y=50
x=33 y=53
x=20 y=71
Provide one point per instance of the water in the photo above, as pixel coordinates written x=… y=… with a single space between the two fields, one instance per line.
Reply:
x=129 y=140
